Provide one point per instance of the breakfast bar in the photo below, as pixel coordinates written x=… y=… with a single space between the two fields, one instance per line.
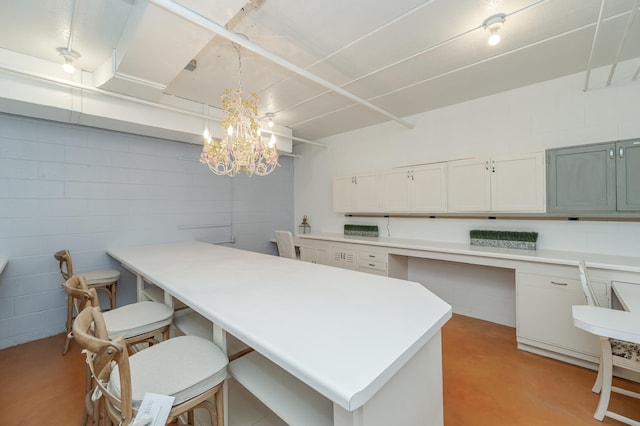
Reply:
x=353 y=348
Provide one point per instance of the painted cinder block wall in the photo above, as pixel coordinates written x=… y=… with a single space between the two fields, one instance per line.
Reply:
x=87 y=189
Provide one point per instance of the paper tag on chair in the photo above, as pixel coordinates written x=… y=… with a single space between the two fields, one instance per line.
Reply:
x=154 y=410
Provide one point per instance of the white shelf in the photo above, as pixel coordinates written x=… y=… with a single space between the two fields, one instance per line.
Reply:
x=192 y=323
x=289 y=398
x=153 y=293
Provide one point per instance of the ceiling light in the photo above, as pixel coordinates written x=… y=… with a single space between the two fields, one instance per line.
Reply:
x=493 y=24
x=270 y=116
x=69 y=56
x=242 y=150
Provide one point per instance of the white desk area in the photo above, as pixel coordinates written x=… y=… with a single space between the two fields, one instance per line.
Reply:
x=358 y=349
x=544 y=284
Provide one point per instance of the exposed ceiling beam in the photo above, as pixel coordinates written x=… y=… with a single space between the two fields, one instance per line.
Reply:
x=238 y=39
x=623 y=40
x=593 y=46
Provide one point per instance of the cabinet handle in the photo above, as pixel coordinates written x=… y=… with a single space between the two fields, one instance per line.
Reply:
x=486 y=165
x=611 y=153
x=621 y=152
x=372 y=255
x=493 y=167
x=412 y=178
x=557 y=283
x=372 y=264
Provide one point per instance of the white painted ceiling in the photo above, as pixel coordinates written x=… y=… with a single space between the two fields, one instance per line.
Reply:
x=402 y=56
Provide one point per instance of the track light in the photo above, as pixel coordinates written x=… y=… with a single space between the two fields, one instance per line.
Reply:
x=493 y=24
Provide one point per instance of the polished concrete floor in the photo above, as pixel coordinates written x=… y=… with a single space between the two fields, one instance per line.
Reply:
x=487 y=381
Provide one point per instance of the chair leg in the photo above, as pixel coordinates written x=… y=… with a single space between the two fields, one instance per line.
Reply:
x=219 y=408
x=68 y=325
x=112 y=294
x=606 y=365
x=597 y=386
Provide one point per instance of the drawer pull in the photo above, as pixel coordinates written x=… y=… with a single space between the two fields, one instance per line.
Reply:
x=372 y=264
x=557 y=283
x=372 y=255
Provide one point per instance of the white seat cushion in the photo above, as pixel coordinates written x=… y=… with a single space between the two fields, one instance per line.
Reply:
x=101 y=277
x=182 y=367
x=137 y=318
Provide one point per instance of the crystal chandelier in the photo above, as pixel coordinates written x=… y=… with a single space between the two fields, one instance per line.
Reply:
x=243 y=149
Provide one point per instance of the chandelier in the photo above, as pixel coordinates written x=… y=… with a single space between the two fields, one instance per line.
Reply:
x=243 y=149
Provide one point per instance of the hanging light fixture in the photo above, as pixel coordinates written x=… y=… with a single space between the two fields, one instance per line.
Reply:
x=493 y=24
x=243 y=149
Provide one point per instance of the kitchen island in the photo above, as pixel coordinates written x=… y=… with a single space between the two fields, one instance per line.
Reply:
x=349 y=348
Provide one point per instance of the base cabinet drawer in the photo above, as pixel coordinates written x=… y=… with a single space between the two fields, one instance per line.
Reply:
x=544 y=311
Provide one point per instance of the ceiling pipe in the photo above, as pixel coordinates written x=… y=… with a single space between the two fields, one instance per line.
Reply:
x=623 y=40
x=593 y=47
x=235 y=38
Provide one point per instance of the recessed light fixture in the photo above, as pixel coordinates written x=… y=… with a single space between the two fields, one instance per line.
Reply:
x=493 y=24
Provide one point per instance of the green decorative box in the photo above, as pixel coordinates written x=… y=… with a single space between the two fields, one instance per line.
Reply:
x=361 y=230
x=507 y=239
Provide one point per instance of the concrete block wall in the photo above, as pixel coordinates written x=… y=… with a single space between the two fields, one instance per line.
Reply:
x=86 y=189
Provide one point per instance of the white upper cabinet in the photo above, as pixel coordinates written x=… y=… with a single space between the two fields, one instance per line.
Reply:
x=518 y=183
x=415 y=189
x=470 y=185
x=358 y=193
x=514 y=183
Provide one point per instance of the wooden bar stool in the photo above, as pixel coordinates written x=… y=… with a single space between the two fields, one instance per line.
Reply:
x=188 y=368
x=105 y=280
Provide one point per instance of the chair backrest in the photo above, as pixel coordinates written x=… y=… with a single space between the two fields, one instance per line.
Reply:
x=83 y=296
x=103 y=355
x=286 y=248
x=586 y=284
x=66 y=267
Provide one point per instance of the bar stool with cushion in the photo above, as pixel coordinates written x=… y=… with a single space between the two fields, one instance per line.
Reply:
x=105 y=280
x=286 y=247
x=614 y=352
x=136 y=323
x=188 y=368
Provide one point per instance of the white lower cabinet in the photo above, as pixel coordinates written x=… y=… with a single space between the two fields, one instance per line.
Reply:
x=544 y=312
x=343 y=258
x=347 y=256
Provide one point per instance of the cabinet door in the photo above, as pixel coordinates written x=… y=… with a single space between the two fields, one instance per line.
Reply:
x=343 y=190
x=628 y=173
x=429 y=188
x=518 y=183
x=469 y=185
x=544 y=312
x=356 y=193
x=395 y=190
x=367 y=193
x=582 y=178
x=342 y=258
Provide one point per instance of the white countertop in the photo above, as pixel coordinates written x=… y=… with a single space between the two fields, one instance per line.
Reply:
x=342 y=332
x=607 y=322
x=620 y=263
x=3 y=263
x=628 y=295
